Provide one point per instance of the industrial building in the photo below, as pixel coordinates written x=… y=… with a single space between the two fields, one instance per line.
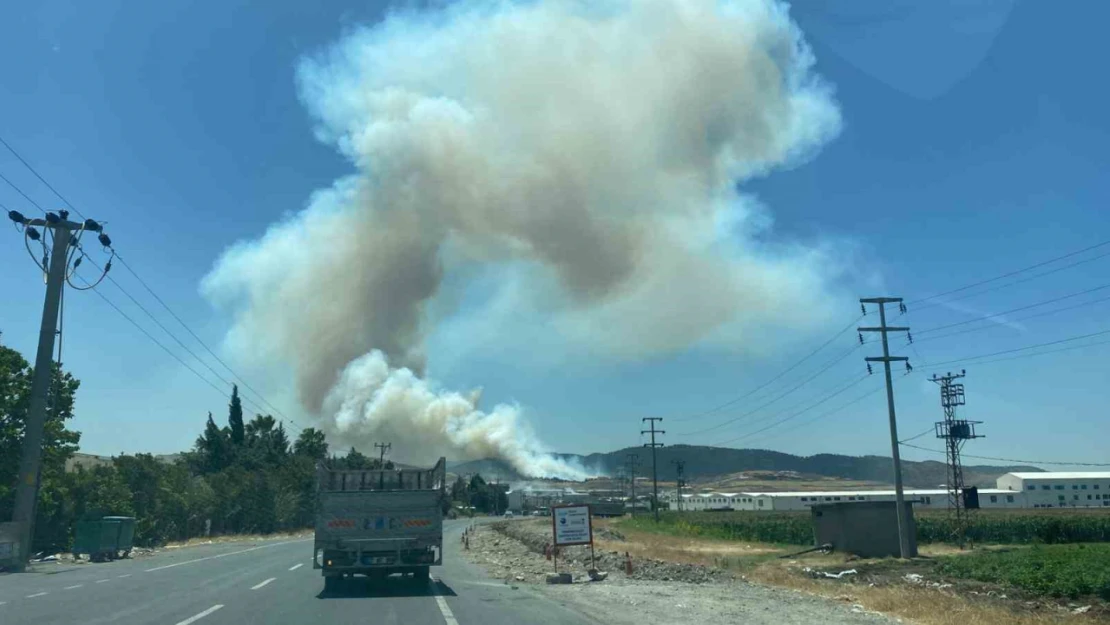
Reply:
x=1013 y=490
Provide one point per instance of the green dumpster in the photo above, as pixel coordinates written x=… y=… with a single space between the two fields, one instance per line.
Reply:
x=104 y=539
x=126 y=537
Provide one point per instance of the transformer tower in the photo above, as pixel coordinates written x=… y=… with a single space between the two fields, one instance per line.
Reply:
x=955 y=432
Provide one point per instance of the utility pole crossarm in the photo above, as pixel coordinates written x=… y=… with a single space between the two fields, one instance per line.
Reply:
x=886 y=329
x=885 y=358
x=880 y=300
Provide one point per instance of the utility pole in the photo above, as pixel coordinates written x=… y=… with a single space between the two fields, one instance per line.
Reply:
x=384 y=447
x=883 y=329
x=633 y=461
x=30 y=464
x=954 y=432
x=654 y=465
x=680 y=469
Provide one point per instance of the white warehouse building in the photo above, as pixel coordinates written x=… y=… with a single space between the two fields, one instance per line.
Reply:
x=1014 y=490
x=1080 y=489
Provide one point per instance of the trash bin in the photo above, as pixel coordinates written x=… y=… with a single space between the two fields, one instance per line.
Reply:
x=105 y=538
x=125 y=539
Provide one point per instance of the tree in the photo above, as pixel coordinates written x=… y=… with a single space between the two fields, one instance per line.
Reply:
x=356 y=460
x=212 y=452
x=235 y=418
x=311 y=444
x=59 y=443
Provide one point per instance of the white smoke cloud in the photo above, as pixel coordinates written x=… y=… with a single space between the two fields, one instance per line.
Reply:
x=589 y=149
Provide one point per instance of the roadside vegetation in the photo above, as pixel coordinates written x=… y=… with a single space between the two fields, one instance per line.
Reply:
x=1068 y=571
x=1001 y=527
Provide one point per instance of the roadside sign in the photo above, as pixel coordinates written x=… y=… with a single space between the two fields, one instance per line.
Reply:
x=571 y=525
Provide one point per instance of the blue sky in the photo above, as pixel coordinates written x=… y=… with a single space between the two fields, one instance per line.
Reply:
x=973 y=144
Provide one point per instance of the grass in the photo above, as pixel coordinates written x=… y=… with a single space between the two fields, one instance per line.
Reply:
x=1066 y=571
x=933 y=526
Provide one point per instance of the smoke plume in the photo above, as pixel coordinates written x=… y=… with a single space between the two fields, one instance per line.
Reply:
x=588 y=151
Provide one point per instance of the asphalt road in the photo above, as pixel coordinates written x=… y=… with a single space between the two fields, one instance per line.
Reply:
x=265 y=582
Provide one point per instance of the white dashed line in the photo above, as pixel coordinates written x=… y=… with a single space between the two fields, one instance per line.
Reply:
x=447 y=615
x=261 y=584
x=101 y=581
x=296 y=566
x=193 y=619
x=123 y=576
x=224 y=555
x=37 y=594
x=73 y=586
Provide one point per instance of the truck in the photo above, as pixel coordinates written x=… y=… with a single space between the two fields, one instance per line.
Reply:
x=377 y=522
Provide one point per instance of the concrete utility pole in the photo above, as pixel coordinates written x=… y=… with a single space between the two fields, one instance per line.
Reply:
x=883 y=329
x=27 y=486
x=633 y=461
x=680 y=469
x=654 y=465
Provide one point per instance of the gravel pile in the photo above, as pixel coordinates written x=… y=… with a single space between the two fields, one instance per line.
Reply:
x=536 y=536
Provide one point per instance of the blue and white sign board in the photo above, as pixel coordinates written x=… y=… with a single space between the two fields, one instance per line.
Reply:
x=572 y=525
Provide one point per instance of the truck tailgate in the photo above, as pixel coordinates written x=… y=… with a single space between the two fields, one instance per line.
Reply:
x=379 y=515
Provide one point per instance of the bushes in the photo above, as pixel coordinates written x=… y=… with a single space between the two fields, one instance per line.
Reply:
x=934 y=526
x=1070 y=571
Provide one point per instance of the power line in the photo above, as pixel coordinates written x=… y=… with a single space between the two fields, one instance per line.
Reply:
x=1020 y=349
x=1022 y=318
x=1013 y=310
x=20 y=191
x=1011 y=273
x=41 y=179
x=1033 y=462
x=828 y=366
x=197 y=338
x=772 y=380
x=799 y=413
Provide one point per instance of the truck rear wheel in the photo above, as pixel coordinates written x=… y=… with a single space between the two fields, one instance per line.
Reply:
x=421 y=574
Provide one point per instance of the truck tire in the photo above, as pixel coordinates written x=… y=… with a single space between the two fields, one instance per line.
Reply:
x=422 y=574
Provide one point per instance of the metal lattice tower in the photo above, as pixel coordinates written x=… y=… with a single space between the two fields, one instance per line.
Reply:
x=955 y=432
x=680 y=483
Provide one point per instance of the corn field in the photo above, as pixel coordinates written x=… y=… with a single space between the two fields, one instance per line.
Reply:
x=795 y=528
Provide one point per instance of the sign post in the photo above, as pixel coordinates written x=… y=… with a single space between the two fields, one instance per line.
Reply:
x=572 y=525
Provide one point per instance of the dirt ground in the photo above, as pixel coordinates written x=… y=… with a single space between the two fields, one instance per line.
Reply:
x=691 y=579
x=657 y=592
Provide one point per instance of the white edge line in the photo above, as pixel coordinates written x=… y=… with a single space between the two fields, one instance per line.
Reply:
x=296 y=566
x=73 y=586
x=193 y=619
x=261 y=584
x=37 y=594
x=447 y=614
x=223 y=555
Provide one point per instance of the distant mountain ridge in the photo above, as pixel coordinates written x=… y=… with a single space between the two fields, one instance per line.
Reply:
x=703 y=462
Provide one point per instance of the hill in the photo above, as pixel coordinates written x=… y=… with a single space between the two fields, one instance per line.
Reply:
x=710 y=464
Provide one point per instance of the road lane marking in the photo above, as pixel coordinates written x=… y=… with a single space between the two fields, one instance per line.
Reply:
x=223 y=555
x=260 y=585
x=101 y=581
x=296 y=566
x=123 y=576
x=37 y=594
x=193 y=619
x=447 y=615
x=73 y=586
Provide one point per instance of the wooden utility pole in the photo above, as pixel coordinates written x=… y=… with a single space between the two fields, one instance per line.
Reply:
x=883 y=329
x=654 y=465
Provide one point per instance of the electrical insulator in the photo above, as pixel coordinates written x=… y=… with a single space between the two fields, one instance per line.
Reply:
x=901 y=308
x=34 y=234
x=52 y=218
x=863 y=309
x=104 y=240
x=92 y=225
x=77 y=263
x=909 y=367
x=869 y=371
x=16 y=216
x=860 y=337
x=64 y=214
x=910 y=336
